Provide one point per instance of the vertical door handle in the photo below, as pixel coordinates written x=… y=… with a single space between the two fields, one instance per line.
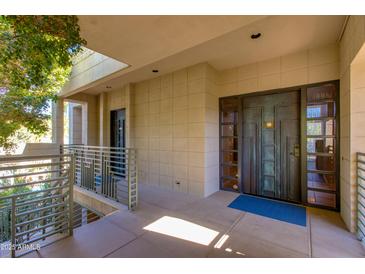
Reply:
x=296 y=151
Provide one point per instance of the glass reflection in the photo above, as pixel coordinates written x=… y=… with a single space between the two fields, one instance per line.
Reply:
x=320 y=145
x=320 y=163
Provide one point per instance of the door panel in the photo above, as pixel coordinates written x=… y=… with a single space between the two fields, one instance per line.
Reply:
x=251 y=157
x=117 y=137
x=289 y=162
x=117 y=128
x=270 y=146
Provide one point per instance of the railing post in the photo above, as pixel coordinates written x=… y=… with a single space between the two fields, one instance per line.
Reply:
x=70 y=198
x=132 y=179
x=126 y=152
x=13 y=227
x=136 y=174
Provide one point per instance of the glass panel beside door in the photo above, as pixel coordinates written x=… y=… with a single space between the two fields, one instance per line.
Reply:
x=229 y=178
x=321 y=150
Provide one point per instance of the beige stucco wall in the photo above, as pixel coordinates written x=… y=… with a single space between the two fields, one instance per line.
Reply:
x=174 y=117
x=304 y=67
x=174 y=125
x=352 y=115
x=90 y=67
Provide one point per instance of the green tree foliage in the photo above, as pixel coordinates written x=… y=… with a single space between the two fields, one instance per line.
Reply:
x=35 y=61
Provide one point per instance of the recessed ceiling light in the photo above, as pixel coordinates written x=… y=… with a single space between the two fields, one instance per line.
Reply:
x=255 y=35
x=155 y=70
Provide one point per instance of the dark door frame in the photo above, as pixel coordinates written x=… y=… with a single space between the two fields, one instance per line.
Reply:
x=112 y=129
x=303 y=151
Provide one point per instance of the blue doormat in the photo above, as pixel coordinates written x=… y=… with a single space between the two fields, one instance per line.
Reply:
x=278 y=210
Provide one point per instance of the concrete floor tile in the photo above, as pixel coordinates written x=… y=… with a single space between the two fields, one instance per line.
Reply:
x=246 y=246
x=280 y=233
x=213 y=211
x=97 y=239
x=165 y=199
x=330 y=238
x=223 y=197
x=140 y=248
x=177 y=248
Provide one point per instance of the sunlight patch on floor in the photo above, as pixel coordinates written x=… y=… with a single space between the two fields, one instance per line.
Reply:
x=182 y=229
x=221 y=241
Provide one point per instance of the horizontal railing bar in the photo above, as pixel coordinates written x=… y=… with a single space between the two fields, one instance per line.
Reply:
x=48 y=234
x=101 y=147
x=18 y=235
x=360 y=177
x=80 y=152
x=33 y=192
x=362 y=213
x=359 y=219
x=37 y=195
x=40 y=199
x=360 y=169
x=41 y=209
x=100 y=151
x=35 y=183
x=62 y=213
x=31 y=173
x=16 y=158
x=361 y=228
x=34 y=165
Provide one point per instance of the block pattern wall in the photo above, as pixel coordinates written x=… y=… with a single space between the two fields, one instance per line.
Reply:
x=352 y=115
x=175 y=130
x=91 y=67
x=305 y=67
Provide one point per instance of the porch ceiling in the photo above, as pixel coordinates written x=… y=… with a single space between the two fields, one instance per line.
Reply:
x=168 y=43
x=140 y=40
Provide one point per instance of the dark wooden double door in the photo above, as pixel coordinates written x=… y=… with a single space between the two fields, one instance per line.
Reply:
x=270 y=141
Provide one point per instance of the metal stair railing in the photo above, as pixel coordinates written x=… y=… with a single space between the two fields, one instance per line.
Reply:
x=108 y=171
x=36 y=201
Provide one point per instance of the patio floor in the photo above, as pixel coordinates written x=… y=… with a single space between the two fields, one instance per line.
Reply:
x=170 y=224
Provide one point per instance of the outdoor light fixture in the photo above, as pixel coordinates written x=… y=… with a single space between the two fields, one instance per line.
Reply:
x=269 y=124
x=255 y=35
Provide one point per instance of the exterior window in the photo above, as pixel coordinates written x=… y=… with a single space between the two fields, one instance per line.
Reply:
x=229 y=171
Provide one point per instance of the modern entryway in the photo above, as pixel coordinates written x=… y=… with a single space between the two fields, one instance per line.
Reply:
x=271 y=162
x=282 y=144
